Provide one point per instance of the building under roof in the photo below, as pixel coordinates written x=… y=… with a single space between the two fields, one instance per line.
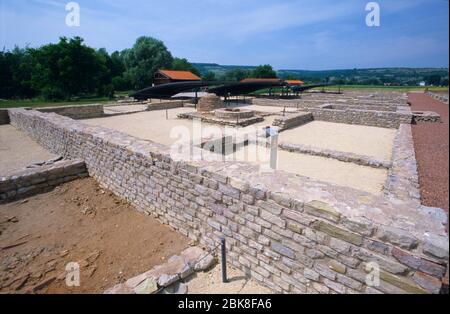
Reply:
x=294 y=82
x=172 y=76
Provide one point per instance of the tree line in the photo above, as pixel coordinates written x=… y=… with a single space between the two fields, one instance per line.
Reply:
x=71 y=69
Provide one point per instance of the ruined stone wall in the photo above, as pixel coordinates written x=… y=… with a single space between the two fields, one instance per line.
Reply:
x=369 y=115
x=166 y=105
x=292 y=120
x=76 y=112
x=438 y=96
x=290 y=233
x=31 y=181
x=4 y=117
x=384 y=119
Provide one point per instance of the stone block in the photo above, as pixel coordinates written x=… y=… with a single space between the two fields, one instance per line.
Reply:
x=418 y=263
x=397 y=237
x=338 y=232
x=283 y=250
x=323 y=210
x=436 y=246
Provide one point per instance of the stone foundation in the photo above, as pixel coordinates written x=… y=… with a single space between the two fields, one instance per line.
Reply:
x=290 y=233
x=76 y=112
x=292 y=120
x=27 y=182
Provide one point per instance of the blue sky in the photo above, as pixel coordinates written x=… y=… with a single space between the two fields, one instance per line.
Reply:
x=289 y=34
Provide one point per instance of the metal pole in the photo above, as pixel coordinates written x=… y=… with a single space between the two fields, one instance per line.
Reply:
x=167 y=114
x=224 y=259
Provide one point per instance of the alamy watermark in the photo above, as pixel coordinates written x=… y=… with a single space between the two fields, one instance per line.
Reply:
x=373 y=17
x=73 y=17
x=73 y=274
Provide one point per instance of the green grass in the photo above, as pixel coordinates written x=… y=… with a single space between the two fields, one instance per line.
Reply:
x=46 y=103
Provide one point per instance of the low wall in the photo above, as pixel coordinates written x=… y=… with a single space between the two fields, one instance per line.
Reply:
x=31 y=181
x=165 y=105
x=76 y=112
x=384 y=119
x=341 y=156
x=292 y=120
x=4 y=117
x=438 y=96
x=403 y=178
x=288 y=232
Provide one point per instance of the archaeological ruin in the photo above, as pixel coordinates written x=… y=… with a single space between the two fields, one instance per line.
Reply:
x=343 y=201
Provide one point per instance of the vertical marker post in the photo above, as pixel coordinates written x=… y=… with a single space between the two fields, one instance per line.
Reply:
x=224 y=259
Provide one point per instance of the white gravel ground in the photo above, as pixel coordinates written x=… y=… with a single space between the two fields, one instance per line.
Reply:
x=17 y=150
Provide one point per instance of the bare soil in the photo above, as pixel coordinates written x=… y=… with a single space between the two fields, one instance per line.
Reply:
x=431 y=143
x=78 y=222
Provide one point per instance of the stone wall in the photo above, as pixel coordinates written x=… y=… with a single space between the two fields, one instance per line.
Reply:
x=384 y=119
x=438 y=96
x=166 y=105
x=4 y=117
x=389 y=117
x=403 y=178
x=31 y=181
x=292 y=120
x=76 y=112
x=290 y=233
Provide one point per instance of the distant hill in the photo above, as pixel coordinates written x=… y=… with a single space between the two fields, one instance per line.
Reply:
x=372 y=76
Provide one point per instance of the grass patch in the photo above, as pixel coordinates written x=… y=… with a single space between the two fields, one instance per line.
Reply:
x=46 y=103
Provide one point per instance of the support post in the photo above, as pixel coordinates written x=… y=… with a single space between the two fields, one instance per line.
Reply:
x=224 y=259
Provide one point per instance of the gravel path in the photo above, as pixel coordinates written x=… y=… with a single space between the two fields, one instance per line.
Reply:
x=431 y=146
x=18 y=150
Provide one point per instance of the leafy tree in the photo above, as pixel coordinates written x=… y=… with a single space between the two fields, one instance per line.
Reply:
x=290 y=77
x=209 y=76
x=264 y=71
x=68 y=69
x=433 y=79
x=142 y=61
x=15 y=74
x=184 y=65
x=236 y=75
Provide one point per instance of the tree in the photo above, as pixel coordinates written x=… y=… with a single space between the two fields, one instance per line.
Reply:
x=236 y=75
x=15 y=74
x=147 y=56
x=264 y=71
x=184 y=65
x=434 y=79
x=68 y=69
x=209 y=76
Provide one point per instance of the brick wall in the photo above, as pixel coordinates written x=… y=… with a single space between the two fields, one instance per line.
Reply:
x=290 y=233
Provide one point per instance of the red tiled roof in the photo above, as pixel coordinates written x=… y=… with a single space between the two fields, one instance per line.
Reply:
x=295 y=82
x=180 y=75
